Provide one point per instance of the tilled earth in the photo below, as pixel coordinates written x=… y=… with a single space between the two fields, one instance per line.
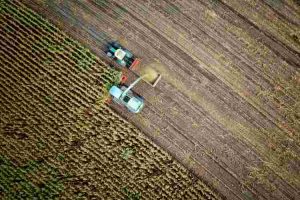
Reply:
x=228 y=104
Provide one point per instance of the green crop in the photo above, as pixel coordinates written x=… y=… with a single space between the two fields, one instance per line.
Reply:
x=16 y=181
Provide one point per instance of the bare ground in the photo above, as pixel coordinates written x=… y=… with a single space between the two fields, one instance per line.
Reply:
x=230 y=80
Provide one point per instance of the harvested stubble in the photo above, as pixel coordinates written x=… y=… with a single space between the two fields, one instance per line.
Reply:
x=58 y=139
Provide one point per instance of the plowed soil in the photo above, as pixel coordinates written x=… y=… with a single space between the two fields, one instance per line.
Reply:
x=58 y=137
x=228 y=104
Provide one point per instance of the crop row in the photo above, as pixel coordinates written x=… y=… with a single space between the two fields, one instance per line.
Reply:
x=52 y=115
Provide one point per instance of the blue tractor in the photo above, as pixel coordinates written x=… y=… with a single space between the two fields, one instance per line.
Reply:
x=125 y=96
x=121 y=94
x=122 y=56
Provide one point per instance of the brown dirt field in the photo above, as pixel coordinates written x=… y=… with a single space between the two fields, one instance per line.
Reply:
x=58 y=139
x=228 y=104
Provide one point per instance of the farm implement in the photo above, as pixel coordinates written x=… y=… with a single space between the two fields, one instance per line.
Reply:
x=121 y=55
x=122 y=94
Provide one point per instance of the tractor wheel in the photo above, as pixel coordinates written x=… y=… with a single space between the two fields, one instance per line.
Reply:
x=122 y=63
x=109 y=54
x=128 y=54
x=116 y=45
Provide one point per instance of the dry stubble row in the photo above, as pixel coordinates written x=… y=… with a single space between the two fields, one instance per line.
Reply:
x=56 y=138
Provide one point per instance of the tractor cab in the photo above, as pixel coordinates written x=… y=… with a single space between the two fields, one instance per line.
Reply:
x=133 y=102
x=122 y=56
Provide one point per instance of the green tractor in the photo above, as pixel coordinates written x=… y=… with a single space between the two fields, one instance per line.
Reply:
x=121 y=55
x=122 y=94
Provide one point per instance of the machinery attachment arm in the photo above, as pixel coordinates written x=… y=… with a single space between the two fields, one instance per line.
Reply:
x=132 y=85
